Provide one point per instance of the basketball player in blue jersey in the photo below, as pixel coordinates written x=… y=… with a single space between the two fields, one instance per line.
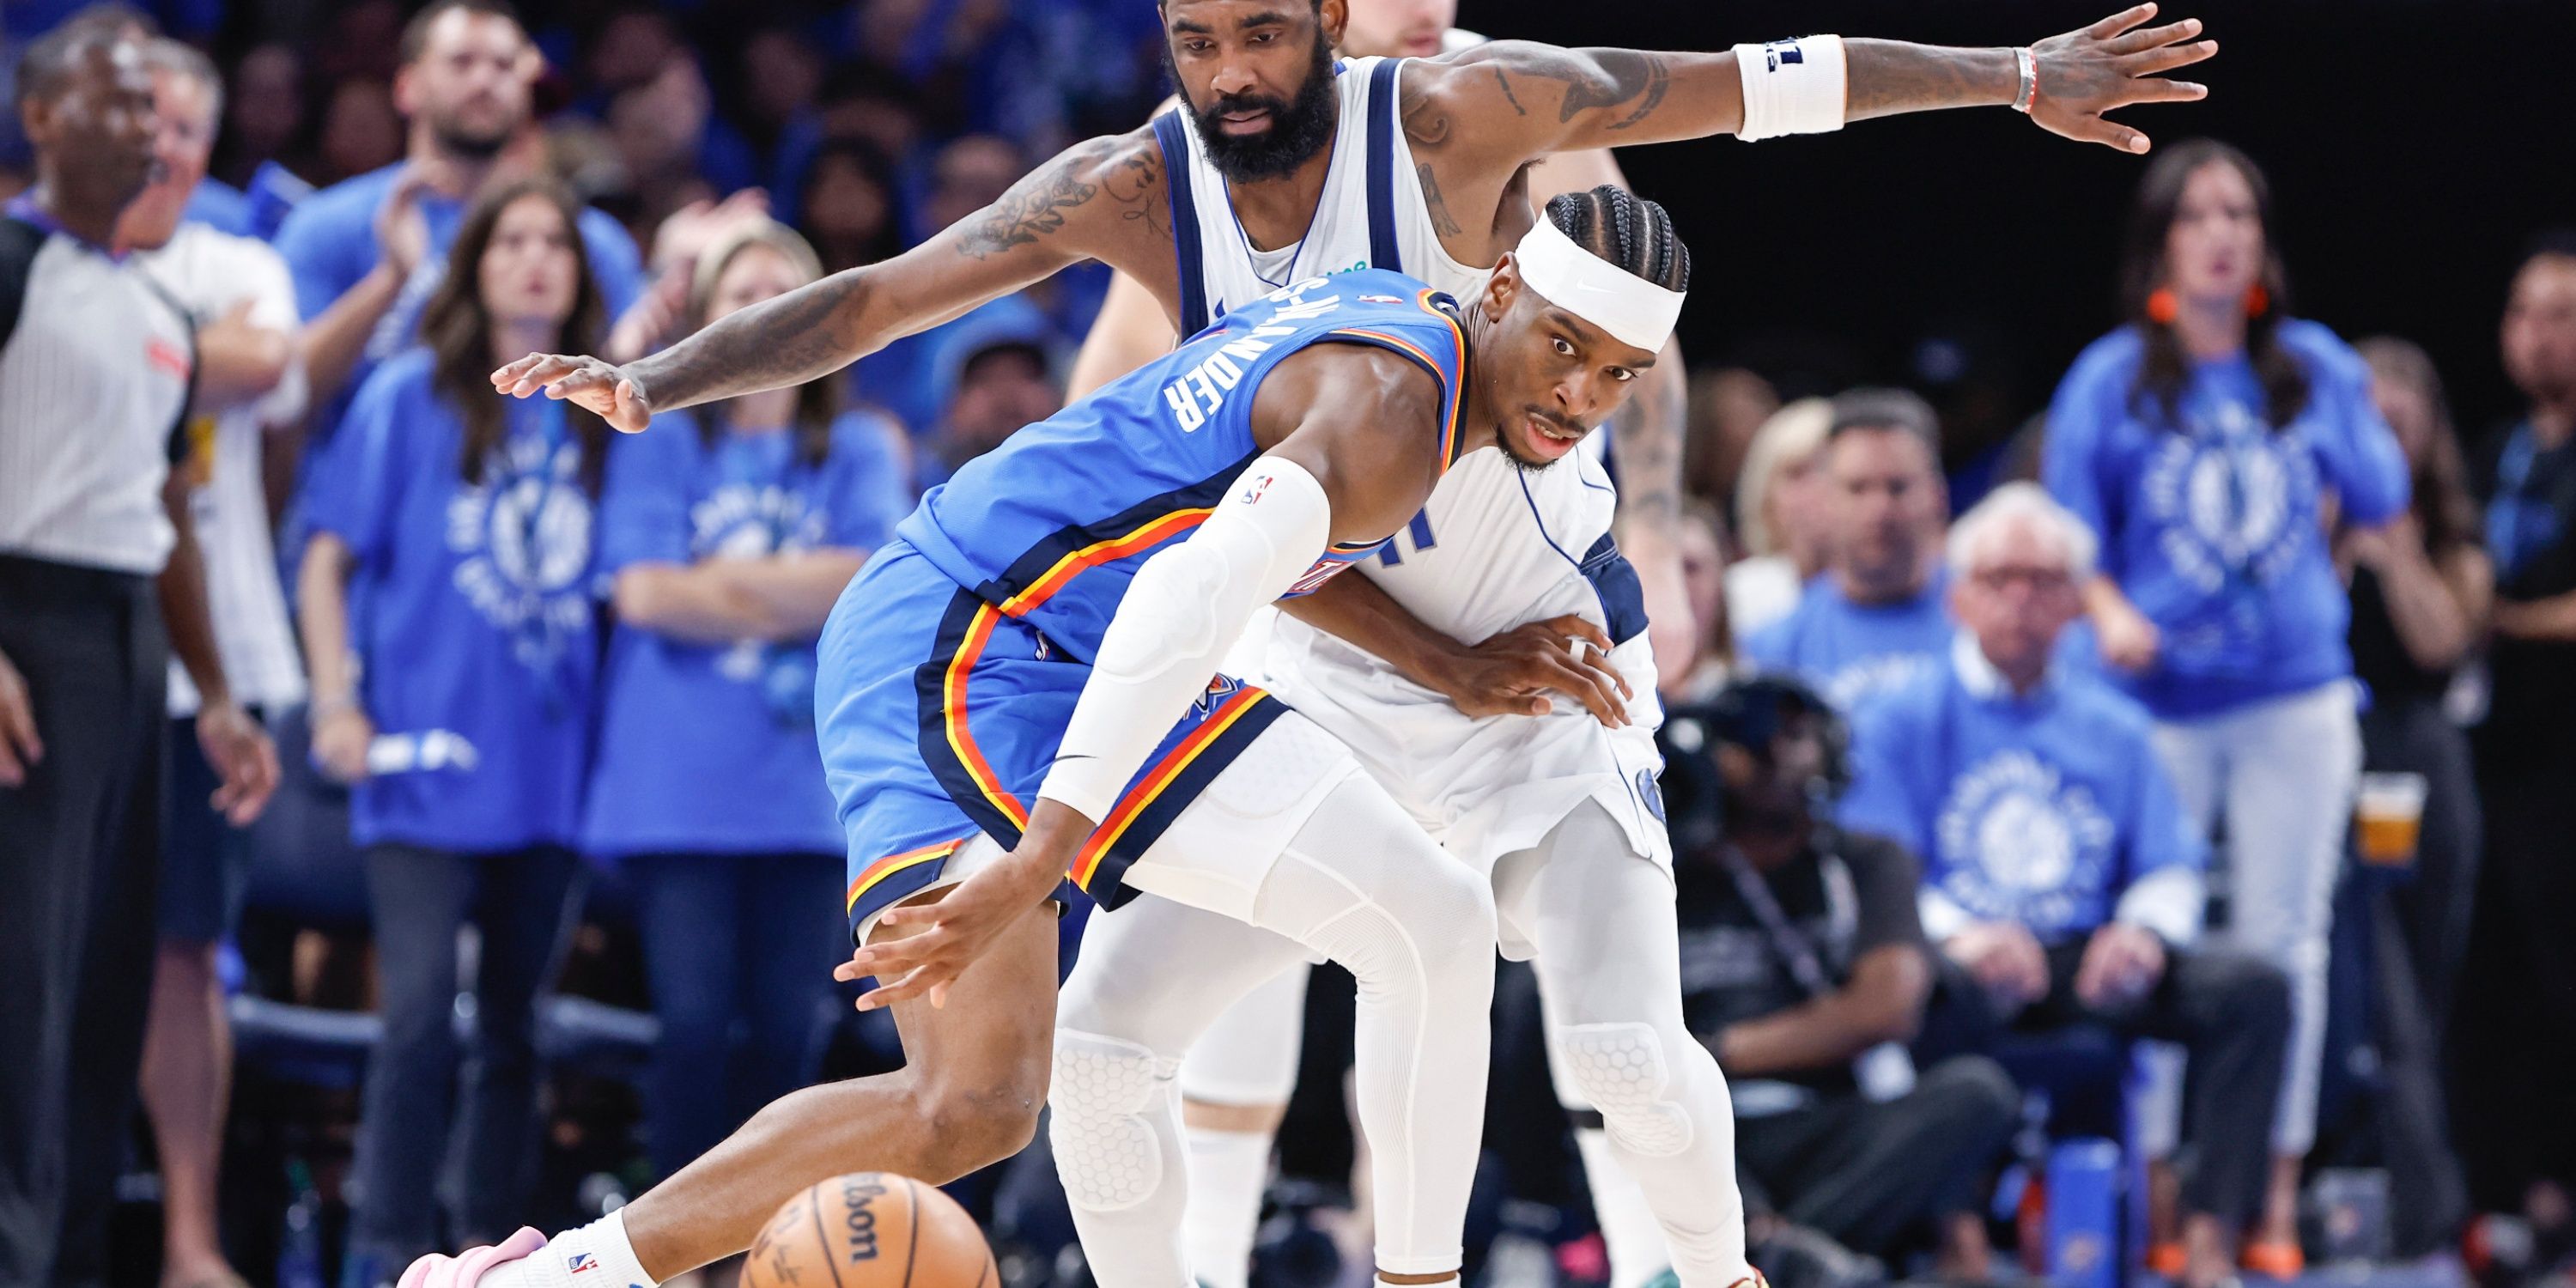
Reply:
x=997 y=703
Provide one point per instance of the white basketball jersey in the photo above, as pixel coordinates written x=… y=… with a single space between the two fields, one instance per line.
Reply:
x=1494 y=546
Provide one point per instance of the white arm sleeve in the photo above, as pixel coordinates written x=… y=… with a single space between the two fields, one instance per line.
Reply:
x=2167 y=901
x=1184 y=609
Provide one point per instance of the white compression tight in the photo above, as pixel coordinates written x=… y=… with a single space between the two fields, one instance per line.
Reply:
x=1360 y=884
x=1608 y=963
x=1248 y=1058
x=1609 y=975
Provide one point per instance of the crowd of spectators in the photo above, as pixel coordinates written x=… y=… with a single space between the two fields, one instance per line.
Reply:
x=2080 y=762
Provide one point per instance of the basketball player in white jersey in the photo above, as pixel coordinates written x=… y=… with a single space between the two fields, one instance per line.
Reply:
x=1261 y=88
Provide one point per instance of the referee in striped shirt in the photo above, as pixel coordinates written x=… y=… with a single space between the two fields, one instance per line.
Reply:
x=96 y=555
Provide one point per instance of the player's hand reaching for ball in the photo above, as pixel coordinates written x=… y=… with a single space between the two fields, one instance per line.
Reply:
x=2112 y=64
x=1513 y=672
x=603 y=388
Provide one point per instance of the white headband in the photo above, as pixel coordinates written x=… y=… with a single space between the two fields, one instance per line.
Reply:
x=1630 y=308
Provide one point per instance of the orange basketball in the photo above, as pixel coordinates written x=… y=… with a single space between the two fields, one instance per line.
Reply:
x=871 y=1230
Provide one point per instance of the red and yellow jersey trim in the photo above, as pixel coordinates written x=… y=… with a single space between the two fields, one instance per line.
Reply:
x=1144 y=536
x=961 y=740
x=891 y=864
x=1086 y=861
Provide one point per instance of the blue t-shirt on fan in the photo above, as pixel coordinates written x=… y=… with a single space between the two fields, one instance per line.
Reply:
x=2041 y=810
x=480 y=618
x=710 y=748
x=2214 y=526
x=1851 y=652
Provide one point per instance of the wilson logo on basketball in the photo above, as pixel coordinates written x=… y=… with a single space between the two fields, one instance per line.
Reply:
x=858 y=1194
x=871 y=1230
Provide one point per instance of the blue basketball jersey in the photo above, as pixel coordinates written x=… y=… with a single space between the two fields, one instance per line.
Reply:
x=1050 y=526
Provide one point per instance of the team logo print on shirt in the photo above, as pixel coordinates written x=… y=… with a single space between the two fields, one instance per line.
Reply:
x=1871 y=676
x=522 y=540
x=2021 y=843
x=743 y=521
x=2229 y=498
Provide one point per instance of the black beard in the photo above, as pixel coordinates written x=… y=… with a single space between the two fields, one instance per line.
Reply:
x=1299 y=127
x=469 y=146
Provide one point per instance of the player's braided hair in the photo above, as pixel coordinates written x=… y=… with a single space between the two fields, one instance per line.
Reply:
x=1626 y=230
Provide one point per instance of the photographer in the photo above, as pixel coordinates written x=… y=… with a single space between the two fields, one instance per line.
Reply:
x=1804 y=969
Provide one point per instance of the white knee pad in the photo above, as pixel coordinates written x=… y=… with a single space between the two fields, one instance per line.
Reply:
x=1106 y=1151
x=1621 y=1069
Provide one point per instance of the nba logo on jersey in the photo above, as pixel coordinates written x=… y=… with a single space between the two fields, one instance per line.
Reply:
x=581 y=1262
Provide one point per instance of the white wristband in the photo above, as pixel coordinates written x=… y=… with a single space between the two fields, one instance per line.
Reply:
x=1792 y=87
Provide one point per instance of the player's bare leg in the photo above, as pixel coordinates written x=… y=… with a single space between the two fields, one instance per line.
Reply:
x=974 y=1077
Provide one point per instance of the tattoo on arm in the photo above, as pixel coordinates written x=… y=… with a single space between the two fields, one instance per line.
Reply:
x=1649 y=445
x=1425 y=124
x=1031 y=209
x=1434 y=205
x=1887 y=77
x=1623 y=76
x=1591 y=80
x=816 y=330
x=1135 y=184
x=784 y=341
x=1039 y=205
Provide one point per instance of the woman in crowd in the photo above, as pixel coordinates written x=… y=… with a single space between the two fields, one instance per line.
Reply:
x=729 y=530
x=2420 y=593
x=459 y=703
x=1704 y=573
x=2421 y=589
x=1781 y=515
x=2202 y=440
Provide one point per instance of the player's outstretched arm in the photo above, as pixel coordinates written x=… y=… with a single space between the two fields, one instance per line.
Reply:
x=1529 y=98
x=1080 y=205
x=1349 y=453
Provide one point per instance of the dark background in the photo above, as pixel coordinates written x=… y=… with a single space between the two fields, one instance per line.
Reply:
x=2413 y=148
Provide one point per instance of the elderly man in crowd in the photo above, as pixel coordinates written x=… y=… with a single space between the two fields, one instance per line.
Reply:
x=2059 y=872
x=96 y=368
x=1876 y=618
